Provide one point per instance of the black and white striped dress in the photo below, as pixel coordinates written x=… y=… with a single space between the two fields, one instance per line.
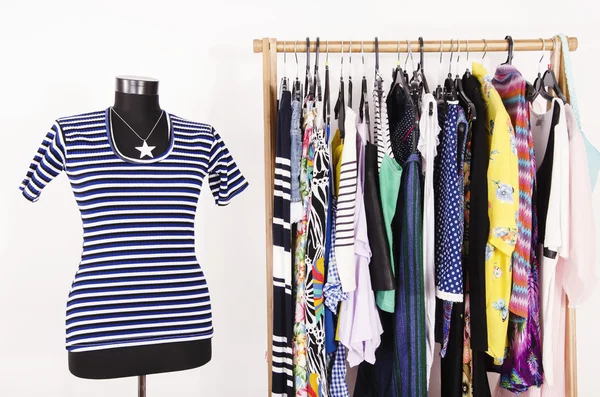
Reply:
x=283 y=308
x=138 y=282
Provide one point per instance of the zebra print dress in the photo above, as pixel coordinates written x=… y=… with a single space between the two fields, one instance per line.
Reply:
x=315 y=259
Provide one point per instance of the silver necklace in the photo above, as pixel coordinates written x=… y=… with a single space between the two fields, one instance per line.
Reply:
x=145 y=150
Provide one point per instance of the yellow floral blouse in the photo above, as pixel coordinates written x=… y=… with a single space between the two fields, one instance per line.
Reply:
x=503 y=206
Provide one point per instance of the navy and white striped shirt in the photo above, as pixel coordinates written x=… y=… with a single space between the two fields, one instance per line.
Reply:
x=138 y=281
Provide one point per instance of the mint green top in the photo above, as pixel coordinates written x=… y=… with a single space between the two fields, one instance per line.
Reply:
x=390 y=176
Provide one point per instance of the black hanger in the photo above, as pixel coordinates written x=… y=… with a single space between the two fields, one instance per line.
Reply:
x=549 y=80
x=467 y=73
x=350 y=78
x=406 y=78
x=327 y=105
x=438 y=94
x=510 y=50
x=376 y=54
x=412 y=90
x=317 y=78
x=449 y=87
x=463 y=98
x=364 y=108
x=364 y=104
x=532 y=91
x=416 y=87
x=340 y=105
x=421 y=66
x=377 y=80
x=284 y=79
x=297 y=88
x=308 y=83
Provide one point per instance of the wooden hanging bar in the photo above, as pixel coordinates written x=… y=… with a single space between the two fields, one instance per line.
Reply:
x=428 y=45
x=269 y=47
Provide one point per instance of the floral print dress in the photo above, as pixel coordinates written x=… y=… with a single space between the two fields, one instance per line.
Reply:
x=503 y=206
x=300 y=266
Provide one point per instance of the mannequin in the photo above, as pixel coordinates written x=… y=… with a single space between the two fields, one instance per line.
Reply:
x=136 y=101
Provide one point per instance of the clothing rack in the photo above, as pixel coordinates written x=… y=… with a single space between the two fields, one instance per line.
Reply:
x=269 y=47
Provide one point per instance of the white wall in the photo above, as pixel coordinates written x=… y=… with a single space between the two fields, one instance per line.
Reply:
x=59 y=58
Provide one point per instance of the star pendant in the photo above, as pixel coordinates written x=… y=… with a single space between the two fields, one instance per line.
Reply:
x=146 y=150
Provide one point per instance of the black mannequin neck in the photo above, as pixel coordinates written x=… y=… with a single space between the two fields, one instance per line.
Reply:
x=141 y=112
x=136 y=106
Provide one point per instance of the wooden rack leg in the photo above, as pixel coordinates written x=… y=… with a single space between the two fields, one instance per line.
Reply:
x=269 y=55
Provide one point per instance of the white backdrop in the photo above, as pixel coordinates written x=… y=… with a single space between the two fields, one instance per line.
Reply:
x=60 y=58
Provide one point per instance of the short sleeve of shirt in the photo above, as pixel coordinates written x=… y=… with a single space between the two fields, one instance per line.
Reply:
x=225 y=179
x=47 y=163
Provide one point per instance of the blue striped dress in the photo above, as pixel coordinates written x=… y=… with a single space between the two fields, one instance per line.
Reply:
x=138 y=282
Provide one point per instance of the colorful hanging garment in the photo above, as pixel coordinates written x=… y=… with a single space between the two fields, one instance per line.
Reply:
x=467 y=365
x=296 y=162
x=449 y=219
x=344 y=241
x=381 y=129
x=338 y=387
x=523 y=366
x=330 y=343
x=428 y=143
x=409 y=377
x=393 y=142
x=333 y=287
x=467 y=356
x=300 y=268
x=315 y=256
x=453 y=327
x=382 y=278
x=359 y=324
x=478 y=230
x=283 y=310
x=511 y=87
x=503 y=205
x=337 y=358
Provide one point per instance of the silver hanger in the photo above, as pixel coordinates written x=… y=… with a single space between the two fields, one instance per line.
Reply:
x=441 y=59
x=296 y=55
x=467 y=55
x=410 y=53
x=284 y=58
x=362 y=52
x=350 y=57
x=451 y=56
x=543 y=55
x=406 y=59
x=457 y=57
x=342 y=61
